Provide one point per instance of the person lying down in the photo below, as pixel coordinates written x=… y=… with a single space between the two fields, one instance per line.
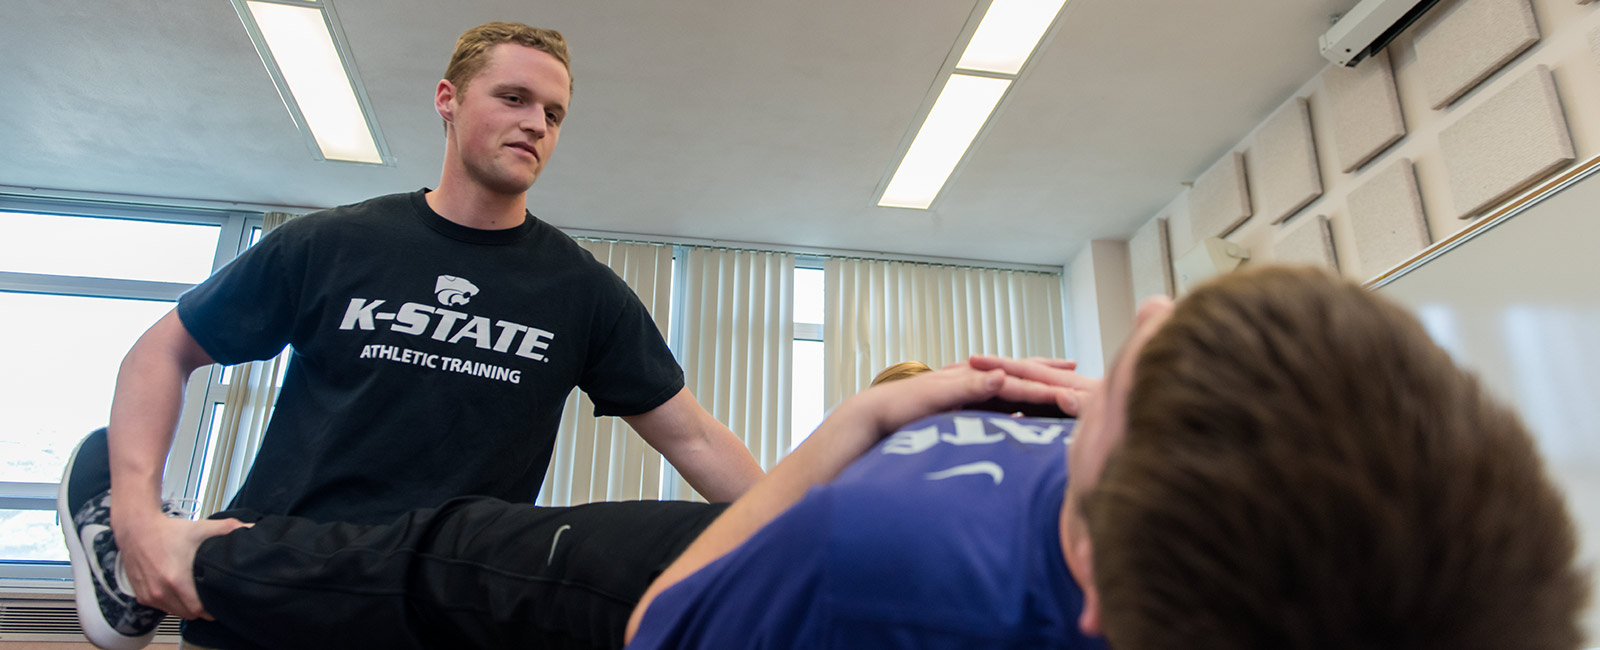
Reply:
x=1280 y=460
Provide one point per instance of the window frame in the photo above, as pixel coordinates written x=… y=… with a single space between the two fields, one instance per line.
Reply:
x=204 y=397
x=185 y=461
x=809 y=332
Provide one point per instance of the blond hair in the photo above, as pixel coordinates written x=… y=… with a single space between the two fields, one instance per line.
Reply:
x=902 y=370
x=472 y=49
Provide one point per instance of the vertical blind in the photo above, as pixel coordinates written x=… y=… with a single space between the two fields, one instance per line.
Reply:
x=737 y=343
x=735 y=335
x=601 y=459
x=880 y=313
x=252 y=392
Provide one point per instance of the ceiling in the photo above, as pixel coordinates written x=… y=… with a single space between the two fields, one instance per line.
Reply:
x=763 y=122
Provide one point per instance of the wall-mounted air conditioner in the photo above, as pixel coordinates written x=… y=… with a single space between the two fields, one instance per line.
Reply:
x=1368 y=27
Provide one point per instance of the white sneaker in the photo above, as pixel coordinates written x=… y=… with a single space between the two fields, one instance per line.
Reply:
x=107 y=610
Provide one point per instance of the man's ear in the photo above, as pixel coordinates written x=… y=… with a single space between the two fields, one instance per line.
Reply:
x=1083 y=552
x=444 y=100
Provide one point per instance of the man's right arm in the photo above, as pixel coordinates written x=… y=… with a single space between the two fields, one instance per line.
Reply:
x=144 y=414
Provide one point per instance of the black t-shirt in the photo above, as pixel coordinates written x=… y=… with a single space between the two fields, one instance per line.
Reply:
x=430 y=360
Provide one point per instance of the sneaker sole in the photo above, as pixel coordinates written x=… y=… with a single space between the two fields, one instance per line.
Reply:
x=95 y=627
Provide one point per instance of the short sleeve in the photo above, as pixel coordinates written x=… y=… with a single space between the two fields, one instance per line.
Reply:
x=246 y=311
x=767 y=593
x=630 y=370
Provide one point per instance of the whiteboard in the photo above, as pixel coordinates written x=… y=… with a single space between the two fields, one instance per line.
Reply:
x=1517 y=300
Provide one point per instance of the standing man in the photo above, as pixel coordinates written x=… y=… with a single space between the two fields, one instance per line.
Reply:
x=436 y=335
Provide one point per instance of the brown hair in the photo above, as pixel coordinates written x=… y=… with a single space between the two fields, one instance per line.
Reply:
x=902 y=370
x=1305 y=469
x=472 y=49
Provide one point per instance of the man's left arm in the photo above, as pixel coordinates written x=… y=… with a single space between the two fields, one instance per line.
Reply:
x=714 y=461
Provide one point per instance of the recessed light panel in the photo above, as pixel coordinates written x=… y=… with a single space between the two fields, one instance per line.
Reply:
x=1007 y=35
x=299 y=42
x=956 y=118
x=1000 y=46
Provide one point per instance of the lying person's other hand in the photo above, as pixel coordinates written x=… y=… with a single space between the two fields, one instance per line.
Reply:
x=1056 y=373
x=883 y=409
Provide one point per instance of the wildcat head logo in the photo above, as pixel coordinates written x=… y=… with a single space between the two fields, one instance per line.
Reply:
x=453 y=291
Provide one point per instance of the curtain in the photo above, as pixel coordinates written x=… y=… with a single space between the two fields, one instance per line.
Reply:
x=880 y=313
x=252 y=390
x=737 y=318
x=735 y=326
x=601 y=459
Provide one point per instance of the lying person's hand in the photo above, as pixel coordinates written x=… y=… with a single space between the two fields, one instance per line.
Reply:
x=1058 y=373
x=1019 y=385
x=1072 y=388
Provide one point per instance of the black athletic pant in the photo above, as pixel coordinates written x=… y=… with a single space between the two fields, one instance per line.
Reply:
x=473 y=573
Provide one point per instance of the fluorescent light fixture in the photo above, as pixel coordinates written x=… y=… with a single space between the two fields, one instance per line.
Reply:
x=956 y=118
x=1007 y=35
x=298 y=40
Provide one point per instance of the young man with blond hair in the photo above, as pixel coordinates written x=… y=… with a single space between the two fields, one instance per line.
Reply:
x=436 y=335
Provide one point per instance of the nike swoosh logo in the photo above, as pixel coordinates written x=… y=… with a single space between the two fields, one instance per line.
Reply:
x=556 y=540
x=980 y=467
x=87 y=535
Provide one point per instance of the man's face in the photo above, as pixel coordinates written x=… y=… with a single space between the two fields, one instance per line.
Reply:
x=1101 y=425
x=505 y=122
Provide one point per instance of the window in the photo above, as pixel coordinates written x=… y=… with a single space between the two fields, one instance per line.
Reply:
x=806 y=407
x=79 y=283
x=212 y=411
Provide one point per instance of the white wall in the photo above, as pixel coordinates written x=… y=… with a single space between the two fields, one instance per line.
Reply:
x=1564 y=47
x=1527 y=328
x=1099 y=300
x=1569 y=46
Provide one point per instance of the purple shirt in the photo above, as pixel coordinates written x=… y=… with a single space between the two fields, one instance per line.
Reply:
x=945 y=535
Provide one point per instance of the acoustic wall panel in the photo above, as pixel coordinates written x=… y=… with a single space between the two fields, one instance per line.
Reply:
x=1283 y=162
x=1219 y=200
x=1306 y=241
x=1386 y=218
x=1366 y=110
x=1514 y=138
x=1469 y=41
x=1150 y=259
